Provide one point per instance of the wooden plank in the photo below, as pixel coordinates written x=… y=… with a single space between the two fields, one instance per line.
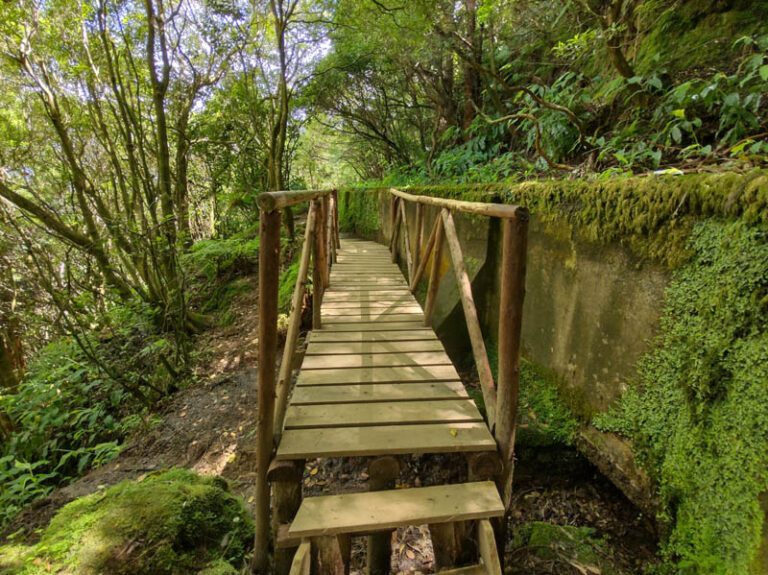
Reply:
x=385 y=413
x=416 y=373
x=378 y=510
x=380 y=392
x=362 y=280
x=369 y=304
x=374 y=326
x=345 y=336
x=475 y=569
x=367 y=295
x=368 y=347
x=370 y=287
x=371 y=311
x=375 y=360
x=333 y=321
x=384 y=440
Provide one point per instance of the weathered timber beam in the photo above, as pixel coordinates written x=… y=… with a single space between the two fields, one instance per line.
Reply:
x=470 y=314
x=479 y=208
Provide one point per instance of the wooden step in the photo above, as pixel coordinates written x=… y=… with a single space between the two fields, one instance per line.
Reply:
x=413 y=374
x=385 y=413
x=333 y=361
x=385 y=440
x=380 y=510
x=377 y=392
x=359 y=347
x=420 y=334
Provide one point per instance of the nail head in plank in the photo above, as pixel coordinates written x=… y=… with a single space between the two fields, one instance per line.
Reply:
x=378 y=510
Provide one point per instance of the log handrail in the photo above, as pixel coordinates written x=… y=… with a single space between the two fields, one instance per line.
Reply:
x=321 y=241
x=500 y=397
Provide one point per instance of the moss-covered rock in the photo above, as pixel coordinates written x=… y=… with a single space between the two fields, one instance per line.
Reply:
x=170 y=523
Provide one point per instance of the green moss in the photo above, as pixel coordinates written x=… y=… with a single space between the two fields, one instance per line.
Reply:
x=544 y=415
x=699 y=422
x=694 y=35
x=173 y=522
x=359 y=211
x=545 y=418
x=652 y=216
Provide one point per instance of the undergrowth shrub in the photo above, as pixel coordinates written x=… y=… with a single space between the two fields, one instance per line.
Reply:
x=699 y=419
x=68 y=419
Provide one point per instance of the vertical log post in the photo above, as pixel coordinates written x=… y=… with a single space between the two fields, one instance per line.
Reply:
x=395 y=230
x=419 y=234
x=382 y=471
x=285 y=479
x=407 y=240
x=330 y=554
x=514 y=247
x=269 y=279
x=434 y=274
x=286 y=367
x=323 y=240
x=317 y=267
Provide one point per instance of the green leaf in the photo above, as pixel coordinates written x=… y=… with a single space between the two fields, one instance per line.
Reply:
x=676 y=134
x=680 y=113
x=764 y=73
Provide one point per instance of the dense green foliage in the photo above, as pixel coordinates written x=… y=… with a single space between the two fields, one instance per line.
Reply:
x=699 y=420
x=171 y=522
x=499 y=90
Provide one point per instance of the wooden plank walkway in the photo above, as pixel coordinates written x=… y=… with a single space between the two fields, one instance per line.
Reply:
x=374 y=380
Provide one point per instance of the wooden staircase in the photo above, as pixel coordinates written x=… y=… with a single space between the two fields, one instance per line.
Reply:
x=325 y=524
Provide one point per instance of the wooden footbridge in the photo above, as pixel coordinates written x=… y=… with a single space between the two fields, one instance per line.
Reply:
x=376 y=382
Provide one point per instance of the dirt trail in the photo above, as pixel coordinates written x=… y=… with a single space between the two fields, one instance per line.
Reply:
x=207 y=427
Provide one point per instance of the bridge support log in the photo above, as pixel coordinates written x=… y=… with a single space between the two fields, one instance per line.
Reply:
x=453 y=544
x=382 y=472
x=330 y=554
x=285 y=480
x=484 y=466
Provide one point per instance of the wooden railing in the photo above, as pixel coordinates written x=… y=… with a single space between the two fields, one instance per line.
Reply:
x=321 y=240
x=500 y=397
